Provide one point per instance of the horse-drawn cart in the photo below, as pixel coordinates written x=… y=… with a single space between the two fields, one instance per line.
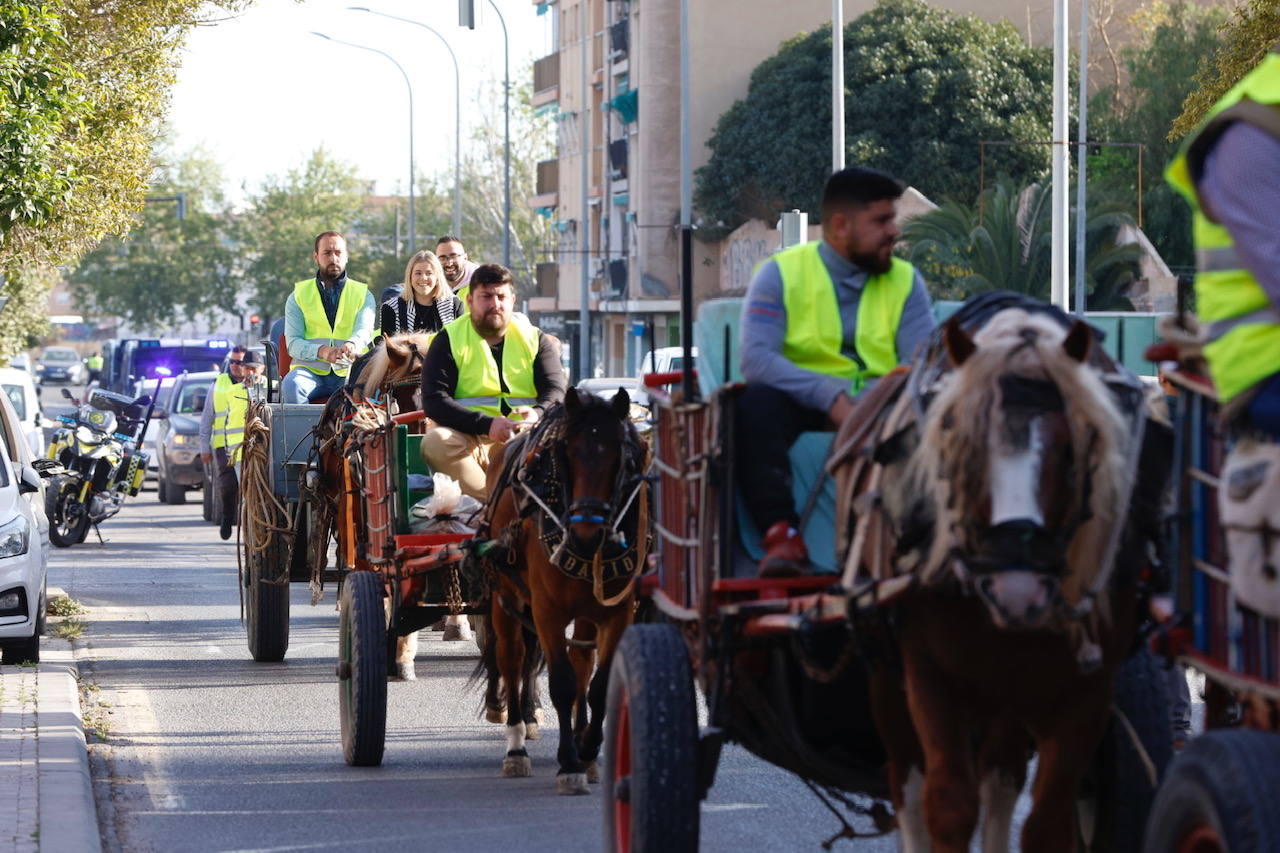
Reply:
x=1221 y=793
x=797 y=669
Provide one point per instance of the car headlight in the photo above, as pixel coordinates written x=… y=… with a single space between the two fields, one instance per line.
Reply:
x=13 y=538
x=180 y=440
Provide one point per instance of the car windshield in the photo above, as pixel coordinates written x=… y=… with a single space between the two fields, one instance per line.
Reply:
x=191 y=399
x=18 y=397
x=63 y=355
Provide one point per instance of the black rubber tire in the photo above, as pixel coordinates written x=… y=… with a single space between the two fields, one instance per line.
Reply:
x=652 y=680
x=75 y=533
x=362 y=652
x=1119 y=783
x=162 y=490
x=206 y=501
x=1227 y=780
x=266 y=607
x=174 y=493
x=299 y=568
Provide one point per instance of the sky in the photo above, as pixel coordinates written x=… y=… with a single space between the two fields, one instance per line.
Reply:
x=259 y=92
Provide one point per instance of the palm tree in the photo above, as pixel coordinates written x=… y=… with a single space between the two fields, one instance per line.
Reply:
x=1005 y=243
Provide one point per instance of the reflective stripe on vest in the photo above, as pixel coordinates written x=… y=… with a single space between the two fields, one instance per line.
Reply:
x=815 y=335
x=307 y=296
x=479 y=387
x=230 y=406
x=1244 y=332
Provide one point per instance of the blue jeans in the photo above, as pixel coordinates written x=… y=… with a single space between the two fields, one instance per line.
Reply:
x=1264 y=408
x=300 y=385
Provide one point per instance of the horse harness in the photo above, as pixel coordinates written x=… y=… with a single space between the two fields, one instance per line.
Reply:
x=536 y=469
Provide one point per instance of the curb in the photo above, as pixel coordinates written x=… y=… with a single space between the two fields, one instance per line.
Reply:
x=68 y=813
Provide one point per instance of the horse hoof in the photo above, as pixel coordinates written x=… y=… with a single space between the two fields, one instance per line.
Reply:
x=403 y=672
x=516 y=767
x=572 y=783
x=593 y=772
x=496 y=715
x=530 y=731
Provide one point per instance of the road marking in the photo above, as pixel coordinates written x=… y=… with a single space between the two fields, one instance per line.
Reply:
x=731 y=807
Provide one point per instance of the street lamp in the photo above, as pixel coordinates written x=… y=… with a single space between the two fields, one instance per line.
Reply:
x=457 y=115
x=413 y=220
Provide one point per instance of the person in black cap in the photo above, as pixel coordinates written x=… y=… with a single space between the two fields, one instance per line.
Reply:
x=222 y=430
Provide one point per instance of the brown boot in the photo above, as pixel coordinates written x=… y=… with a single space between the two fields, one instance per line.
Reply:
x=785 y=554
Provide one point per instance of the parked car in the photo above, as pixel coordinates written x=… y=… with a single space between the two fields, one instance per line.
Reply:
x=160 y=393
x=178 y=437
x=60 y=365
x=608 y=386
x=21 y=391
x=24 y=544
x=21 y=361
x=664 y=360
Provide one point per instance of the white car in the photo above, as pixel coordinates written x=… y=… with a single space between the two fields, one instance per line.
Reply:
x=148 y=386
x=24 y=545
x=664 y=360
x=21 y=391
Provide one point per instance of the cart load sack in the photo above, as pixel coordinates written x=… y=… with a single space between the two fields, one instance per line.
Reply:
x=448 y=510
x=1249 y=506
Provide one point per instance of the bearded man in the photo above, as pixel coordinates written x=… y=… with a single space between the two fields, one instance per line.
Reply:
x=486 y=374
x=821 y=323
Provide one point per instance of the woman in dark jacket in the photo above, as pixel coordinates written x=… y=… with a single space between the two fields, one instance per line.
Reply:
x=426 y=304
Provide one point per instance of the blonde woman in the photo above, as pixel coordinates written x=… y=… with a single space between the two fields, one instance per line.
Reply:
x=427 y=302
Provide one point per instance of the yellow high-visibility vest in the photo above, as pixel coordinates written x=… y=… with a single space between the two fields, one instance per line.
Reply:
x=815 y=334
x=478 y=385
x=307 y=296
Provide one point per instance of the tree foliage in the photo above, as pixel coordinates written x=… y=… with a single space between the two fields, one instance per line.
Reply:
x=923 y=87
x=1169 y=47
x=1253 y=29
x=1005 y=243
x=83 y=84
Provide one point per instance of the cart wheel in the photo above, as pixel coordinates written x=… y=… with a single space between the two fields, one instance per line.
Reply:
x=1117 y=794
x=1220 y=796
x=266 y=605
x=362 y=669
x=650 y=750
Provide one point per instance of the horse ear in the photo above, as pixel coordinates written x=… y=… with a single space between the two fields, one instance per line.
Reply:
x=1078 y=341
x=621 y=403
x=572 y=403
x=958 y=343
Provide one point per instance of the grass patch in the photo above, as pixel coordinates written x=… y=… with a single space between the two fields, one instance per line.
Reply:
x=65 y=605
x=69 y=629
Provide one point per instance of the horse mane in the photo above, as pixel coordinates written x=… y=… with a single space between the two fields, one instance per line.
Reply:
x=378 y=371
x=950 y=462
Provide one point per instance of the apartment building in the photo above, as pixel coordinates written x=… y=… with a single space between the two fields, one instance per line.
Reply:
x=612 y=192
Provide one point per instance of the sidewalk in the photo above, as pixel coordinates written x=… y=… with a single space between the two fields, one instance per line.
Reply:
x=46 y=797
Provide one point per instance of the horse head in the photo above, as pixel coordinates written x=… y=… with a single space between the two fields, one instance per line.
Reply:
x=393 y=366
x=598 y=442
x=1024 y=451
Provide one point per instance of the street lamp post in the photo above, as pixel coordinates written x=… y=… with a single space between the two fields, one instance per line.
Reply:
x=506 y=139
x=413 y=218
x=457 y=113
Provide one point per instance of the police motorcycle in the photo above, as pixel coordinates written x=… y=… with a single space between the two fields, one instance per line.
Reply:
x=94 y=461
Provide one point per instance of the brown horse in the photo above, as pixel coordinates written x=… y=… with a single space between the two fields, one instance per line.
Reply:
x=393 y=367
x=568 y=508
x=1018 y=505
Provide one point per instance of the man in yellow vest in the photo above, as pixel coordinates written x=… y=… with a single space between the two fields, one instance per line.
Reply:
x=1224 y=170
x=328 y=322
x=94 y=365
x=222 y=430
x=822 y=321
x=486 y=372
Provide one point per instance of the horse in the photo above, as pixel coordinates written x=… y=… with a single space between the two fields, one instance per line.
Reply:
x=568 y=514
x=1022 y=500
x=392 y=367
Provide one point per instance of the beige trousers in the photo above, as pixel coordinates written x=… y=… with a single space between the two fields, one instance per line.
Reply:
x=461 y=456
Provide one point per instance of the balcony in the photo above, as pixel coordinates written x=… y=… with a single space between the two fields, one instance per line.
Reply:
x=547 y=186
x=546 y=80
x=616 y=280
x=618 y=159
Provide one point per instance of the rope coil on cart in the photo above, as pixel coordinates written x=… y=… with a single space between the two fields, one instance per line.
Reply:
x=262 y=514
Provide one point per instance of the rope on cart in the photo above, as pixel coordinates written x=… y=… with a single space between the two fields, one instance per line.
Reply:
x=260 y=508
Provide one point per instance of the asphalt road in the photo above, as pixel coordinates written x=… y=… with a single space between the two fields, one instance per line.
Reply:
x=208 y=750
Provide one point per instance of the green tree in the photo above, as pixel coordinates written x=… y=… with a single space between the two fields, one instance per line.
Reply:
x=923 y=87
x=276 y=235
x=1170 y=45
x=83 y=84
x=1005 y=243
x=1253 y=29
x=167 y=269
